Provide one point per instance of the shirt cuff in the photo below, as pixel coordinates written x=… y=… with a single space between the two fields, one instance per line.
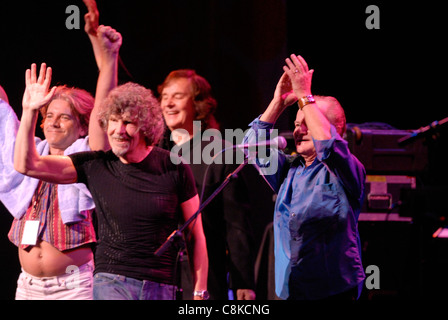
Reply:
x=258 y=124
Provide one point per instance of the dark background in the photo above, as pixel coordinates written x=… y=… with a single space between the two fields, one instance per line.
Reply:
x=395 y=75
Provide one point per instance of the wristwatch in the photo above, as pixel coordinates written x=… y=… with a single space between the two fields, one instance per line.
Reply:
x=306 y=100
x=203 y=294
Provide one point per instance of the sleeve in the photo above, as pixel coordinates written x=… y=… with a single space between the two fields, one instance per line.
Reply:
x=336 y=155
x=187 y=185
x=16 y=190
x=9 y=125
x=80 y=161
x=270 y=162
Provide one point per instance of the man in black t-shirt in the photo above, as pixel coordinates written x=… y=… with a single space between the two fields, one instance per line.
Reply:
x=139 y=193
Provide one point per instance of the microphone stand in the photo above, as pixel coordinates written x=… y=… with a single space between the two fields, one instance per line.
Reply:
x=424 y=131
x=177 y=234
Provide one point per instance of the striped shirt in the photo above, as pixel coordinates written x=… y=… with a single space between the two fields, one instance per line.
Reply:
x=45 y=208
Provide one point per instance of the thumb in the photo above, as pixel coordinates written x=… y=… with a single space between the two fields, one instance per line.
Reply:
x=49 y=95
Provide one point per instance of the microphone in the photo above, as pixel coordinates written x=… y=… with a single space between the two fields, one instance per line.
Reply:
x=277 y=142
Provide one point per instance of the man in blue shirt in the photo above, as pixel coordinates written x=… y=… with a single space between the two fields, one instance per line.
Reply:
x=320 y=193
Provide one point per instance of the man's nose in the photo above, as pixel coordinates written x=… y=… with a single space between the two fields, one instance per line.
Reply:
x=122 y=127
x=55 y=122
x=169 y=102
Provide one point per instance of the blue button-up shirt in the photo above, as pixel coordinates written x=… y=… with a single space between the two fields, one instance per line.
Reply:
x=317 y=244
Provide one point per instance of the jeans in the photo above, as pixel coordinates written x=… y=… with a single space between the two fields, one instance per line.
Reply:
x=108 y=286
x=69 y=286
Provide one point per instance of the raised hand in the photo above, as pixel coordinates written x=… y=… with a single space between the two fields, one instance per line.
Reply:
x=299 y=74
x=284 y=91
x=37 y=92
x=91 y=18
x=109 y=40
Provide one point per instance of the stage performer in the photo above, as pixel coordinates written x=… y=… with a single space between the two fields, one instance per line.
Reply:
x=320 y=193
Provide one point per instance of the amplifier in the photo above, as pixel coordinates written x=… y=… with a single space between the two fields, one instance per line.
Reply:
x=382 y=196
x=378 y=150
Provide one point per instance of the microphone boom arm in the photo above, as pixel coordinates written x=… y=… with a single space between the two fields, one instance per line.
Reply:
x=178 y=233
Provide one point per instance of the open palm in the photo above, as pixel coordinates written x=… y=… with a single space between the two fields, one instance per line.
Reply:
x=37 y=92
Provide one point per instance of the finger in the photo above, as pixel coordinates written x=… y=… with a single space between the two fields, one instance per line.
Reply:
x=50 y=94
x=27 y=77
x=114 y=36
x=291 y=68
x=44 y=101
x=91 y=6
x=103 y=30
x=119 y=40
x=42 y=72
x=287 y=70
x=88 y=18
x=299 y=67
x=48 y=76
x=284 y=78
x=110 y=31
x=47 y=97
x=33 y=73
x=286 y=81
x=111 y=34
x=303 y=63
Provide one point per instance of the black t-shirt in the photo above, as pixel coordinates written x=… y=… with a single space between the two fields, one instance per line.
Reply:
x=138 y=207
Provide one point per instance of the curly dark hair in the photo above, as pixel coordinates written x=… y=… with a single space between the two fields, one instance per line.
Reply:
x=141 y=104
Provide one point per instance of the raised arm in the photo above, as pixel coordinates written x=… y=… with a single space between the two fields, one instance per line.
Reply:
x=55 y=169
x=91 y=27
x=106 y=43
x=196 y=245
x=109 y=43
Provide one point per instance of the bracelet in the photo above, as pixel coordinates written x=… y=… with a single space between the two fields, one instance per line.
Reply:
x=305 y=101
x=202 y=294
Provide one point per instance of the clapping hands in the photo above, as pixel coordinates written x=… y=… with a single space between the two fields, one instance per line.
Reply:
x=295 y=82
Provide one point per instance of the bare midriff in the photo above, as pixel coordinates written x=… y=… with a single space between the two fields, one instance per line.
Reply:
x=44 y=260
